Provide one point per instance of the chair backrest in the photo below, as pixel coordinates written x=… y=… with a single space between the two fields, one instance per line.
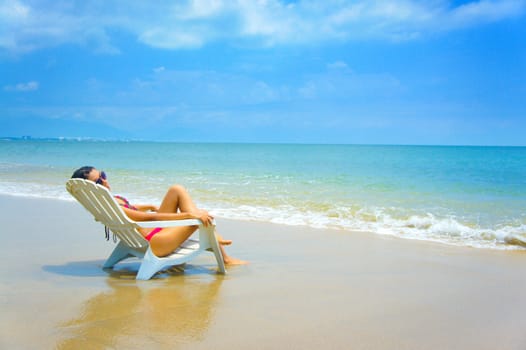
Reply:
x=103 y=206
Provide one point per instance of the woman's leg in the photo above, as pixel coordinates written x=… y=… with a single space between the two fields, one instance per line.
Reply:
x=168 y=239
x=228 y=260
x=177 y=199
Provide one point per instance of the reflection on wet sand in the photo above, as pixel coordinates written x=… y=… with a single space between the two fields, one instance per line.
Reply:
x=161 y=314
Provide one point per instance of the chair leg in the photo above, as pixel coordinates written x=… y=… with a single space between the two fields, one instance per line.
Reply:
x=149 y=266
x=211 y=241
x=121 y=252
x=145 y=272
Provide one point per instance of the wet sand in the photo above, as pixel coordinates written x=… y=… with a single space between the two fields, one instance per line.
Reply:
x=304 y=289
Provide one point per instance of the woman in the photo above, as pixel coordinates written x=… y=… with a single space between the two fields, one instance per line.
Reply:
x=176 y=205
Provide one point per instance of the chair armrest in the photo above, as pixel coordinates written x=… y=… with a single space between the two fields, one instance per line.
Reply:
x=171 y=223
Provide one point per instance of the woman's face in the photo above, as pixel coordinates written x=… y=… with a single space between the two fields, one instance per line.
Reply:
x=99 y=177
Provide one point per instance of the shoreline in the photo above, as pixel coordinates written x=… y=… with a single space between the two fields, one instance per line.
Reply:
x=519 y=245
x=304 y=288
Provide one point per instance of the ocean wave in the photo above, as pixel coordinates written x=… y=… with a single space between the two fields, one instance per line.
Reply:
x=428 y=227
x=385 y=221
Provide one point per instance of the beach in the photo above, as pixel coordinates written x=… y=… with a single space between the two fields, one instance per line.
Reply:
x=367 y=160
x=304 y=288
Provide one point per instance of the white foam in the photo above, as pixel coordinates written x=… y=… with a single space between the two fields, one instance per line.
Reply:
x=448 y=230
x=386 y=221
x=34 y=191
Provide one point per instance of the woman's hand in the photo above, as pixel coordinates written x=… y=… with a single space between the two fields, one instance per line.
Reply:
x=204 y=216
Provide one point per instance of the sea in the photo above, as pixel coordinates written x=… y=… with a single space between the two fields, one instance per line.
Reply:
x=458 y=195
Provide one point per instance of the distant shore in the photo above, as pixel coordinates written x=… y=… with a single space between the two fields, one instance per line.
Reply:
x=124 y=139
x=305 y=288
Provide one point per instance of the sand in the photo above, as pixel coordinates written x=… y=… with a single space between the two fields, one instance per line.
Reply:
x=304 y=289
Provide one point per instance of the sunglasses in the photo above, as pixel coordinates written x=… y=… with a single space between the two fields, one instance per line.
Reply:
x=101 y=177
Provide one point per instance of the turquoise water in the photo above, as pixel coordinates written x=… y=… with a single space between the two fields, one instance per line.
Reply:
x=473 y=196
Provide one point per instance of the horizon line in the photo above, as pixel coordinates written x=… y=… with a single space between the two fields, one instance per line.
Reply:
x=102 y=139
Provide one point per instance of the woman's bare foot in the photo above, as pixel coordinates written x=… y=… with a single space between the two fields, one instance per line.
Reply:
x=233 y=261
x=225 y=241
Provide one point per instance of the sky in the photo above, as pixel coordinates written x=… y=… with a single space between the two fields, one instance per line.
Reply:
x=430 y=72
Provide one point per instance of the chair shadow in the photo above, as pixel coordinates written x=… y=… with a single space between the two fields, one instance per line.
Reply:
x=89 y=268
x=124 y=270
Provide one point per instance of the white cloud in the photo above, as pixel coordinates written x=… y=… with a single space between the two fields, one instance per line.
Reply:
x=338 y=65
x=485 y=11
x=197 y=9
x=13 y=11
x=171 y=38
x=201 y=88
x=23 y=87
x=30 y=25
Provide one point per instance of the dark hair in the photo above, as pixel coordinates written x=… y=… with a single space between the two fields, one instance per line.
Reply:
x=82 y=173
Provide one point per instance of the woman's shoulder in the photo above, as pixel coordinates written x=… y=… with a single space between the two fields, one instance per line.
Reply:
x=116 y=196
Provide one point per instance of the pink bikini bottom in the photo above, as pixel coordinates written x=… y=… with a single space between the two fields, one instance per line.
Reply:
x=153 y=233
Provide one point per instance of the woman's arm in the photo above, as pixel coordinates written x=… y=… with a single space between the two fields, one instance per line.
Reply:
x=155 y=216
x=146 y=207
x=138 y=215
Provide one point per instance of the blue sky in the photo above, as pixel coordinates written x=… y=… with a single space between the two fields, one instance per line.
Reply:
x=327 y=71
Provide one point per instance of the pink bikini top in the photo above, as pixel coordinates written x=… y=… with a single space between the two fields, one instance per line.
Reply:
x=126 y=203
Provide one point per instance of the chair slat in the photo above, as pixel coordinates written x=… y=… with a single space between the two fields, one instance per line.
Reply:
x=101 y=204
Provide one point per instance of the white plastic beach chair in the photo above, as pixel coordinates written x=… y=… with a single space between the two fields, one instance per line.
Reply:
x=101 y=204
